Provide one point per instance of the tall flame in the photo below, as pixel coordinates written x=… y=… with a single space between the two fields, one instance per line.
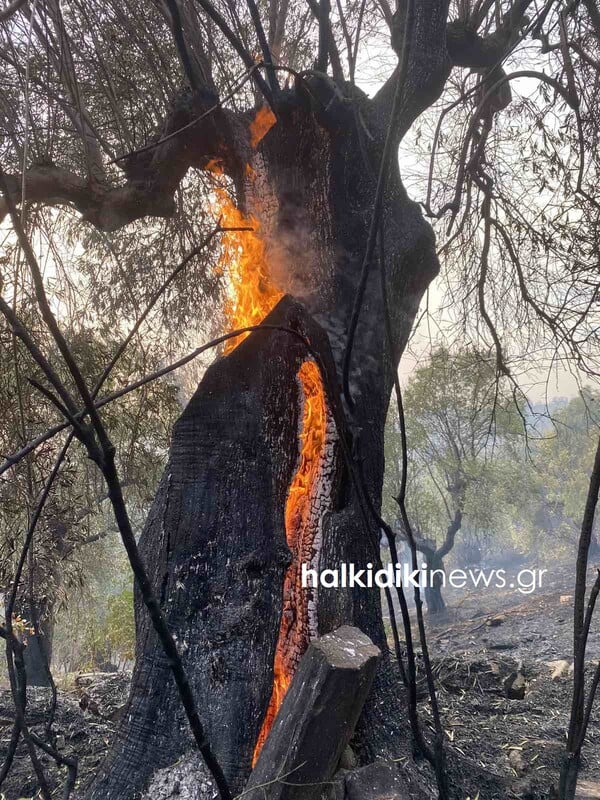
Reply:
x=243 y=258
x=252 y=295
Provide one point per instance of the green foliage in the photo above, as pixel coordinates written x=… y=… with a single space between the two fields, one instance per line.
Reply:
x=109 y=634
x=562 y=465
x=462 y=426
x=465 y=449
x=120 y=625
x=77 y=526
x=96 y=628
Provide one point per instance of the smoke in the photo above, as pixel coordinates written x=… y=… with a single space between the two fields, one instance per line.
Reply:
x=298 y=262
x=294 y=260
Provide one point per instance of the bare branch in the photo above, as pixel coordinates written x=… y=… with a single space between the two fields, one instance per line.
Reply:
x=197 y=131
x=11 y=9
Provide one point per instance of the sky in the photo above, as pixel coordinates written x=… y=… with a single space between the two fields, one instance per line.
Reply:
x=375 y=63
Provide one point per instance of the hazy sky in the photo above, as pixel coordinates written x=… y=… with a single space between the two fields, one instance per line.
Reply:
x=376 y=61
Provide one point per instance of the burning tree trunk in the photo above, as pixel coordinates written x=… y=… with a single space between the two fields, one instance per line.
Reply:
x=215 y=545
x=256 y=483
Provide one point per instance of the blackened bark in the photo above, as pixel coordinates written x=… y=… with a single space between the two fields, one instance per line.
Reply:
x=434 y=598
x=215 y=548
x=435 y=578
x=37 y=655
x=317 y=717
x=215 y=542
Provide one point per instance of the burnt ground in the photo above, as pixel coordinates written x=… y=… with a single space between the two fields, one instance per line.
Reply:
x=486 y=642
x=497 y=747
x=85 y=734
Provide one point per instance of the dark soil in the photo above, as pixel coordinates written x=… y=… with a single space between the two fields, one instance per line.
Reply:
x=503 y=747
x=74 y=732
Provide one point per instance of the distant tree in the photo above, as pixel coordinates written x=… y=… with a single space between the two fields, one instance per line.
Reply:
x=464 y=436
x=562 y=462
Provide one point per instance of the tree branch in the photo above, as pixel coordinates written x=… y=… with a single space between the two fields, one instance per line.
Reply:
x=427 y=68
x=182 y=49
x=264 y=46
x=11 y=9
x=467 y=48
x=237 y=45
x=204 y=132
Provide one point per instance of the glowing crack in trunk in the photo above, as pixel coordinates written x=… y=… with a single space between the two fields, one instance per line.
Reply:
x=301 y=525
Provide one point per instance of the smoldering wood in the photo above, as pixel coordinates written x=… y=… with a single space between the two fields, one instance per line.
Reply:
x=188 y=779
x=325 y=193
x=215 y=549
x=316 y=719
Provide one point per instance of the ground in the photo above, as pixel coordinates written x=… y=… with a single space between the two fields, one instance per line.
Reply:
x=487 y=643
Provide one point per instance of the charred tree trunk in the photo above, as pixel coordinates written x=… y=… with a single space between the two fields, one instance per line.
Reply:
x=215 y=541
x=435 y=581
x=38 y=654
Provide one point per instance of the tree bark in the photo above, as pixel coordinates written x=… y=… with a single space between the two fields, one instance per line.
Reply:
x=214 y=542
x=38 y=654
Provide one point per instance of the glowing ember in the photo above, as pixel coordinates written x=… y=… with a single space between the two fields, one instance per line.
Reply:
x=294 y=631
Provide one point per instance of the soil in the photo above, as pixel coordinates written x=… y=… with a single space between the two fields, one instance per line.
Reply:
x=490 y=644
x=75 y=732
x=503 y=666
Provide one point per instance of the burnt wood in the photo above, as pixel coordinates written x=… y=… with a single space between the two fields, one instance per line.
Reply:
x=316 y=719
x=214 y=545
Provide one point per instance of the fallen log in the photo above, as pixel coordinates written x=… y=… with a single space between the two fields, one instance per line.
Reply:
x=316 y=719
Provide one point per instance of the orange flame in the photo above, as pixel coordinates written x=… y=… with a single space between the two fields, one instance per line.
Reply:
x=294 y=633
x=243 y=256
x=262 y=123
x=252 y=296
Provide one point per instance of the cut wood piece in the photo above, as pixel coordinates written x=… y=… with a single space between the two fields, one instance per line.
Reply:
x=316 y=719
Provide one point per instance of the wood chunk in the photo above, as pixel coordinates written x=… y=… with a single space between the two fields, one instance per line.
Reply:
x=559 y=668
x=515 y=685
x=317 y=717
